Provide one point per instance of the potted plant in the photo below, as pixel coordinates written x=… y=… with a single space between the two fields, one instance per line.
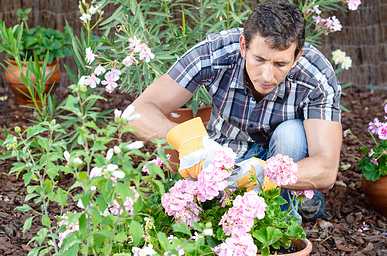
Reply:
x=374 y=165
x=22 y=45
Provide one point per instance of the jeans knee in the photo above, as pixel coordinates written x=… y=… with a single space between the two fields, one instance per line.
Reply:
x=289 y=139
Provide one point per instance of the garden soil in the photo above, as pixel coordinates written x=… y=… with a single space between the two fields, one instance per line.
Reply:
x=353 y=229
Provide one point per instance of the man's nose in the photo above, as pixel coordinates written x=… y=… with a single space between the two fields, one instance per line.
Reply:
x=267 y=73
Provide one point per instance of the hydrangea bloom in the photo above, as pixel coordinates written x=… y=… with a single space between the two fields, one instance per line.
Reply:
x=210 y=182
x=237 y=246
x=179 y=202
x=239 y=219
x=281 y=170
x=225 y=158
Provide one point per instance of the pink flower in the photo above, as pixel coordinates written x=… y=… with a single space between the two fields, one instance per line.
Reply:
x=157 y=161
x=382 y=131
x=99 y=70
x=110 y=80
x=385 y=108
x=95 y=172
x=308 y=194
x=332 y=24
x=237 y=246
x=225 y=158
x=281 y=170
x=179 y=202
x=134 y=43
x=210 y=182
x=239 y=219
x=353 y=4
x=90 y=56
x=374 y=126
x=129 y=61
x=145 y=53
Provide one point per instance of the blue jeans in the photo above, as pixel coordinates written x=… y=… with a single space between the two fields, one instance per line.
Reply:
x=288 y=139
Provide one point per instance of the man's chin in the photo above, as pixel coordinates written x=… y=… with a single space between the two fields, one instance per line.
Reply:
x=263 y=89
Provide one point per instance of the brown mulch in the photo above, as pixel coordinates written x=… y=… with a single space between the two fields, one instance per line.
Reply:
x=354 y=229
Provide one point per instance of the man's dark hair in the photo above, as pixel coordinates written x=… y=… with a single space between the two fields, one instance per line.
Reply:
x=279 y=21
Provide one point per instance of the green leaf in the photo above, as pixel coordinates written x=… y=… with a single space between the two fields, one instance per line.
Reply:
x=163 y=240
x=24 y=208
x=46 y=221
x=121 y=237
x=41 y=235
x=181 y=228
x=27 y=224
x=267 y=236
x=34 y=130
x=137 y=232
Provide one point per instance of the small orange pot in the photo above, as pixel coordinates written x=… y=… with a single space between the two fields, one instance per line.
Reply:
x=304 y=248
x=12 y=76
x=376 y=193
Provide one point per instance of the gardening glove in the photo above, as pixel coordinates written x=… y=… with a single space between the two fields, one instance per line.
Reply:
x=250 y=175
x=188 y=139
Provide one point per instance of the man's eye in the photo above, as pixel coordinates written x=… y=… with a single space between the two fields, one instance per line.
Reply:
x=281 y=65
x=259 y=59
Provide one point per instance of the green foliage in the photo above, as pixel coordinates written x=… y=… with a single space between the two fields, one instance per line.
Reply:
x=374 y=163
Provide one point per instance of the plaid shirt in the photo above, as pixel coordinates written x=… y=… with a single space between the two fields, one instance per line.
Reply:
x=309 y=91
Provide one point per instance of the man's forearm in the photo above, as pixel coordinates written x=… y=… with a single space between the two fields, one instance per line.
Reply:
x=152 y=123
x=315 y=173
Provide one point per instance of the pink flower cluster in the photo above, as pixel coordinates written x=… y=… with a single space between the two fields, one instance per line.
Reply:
x=225 y=158
x=281 y=169
x=136 y=46
x=239 y=219
x=332 y=24
x=116 y=209
x=353 y=4
x=379 y=128
x=181 y=200
x=237 y=246
x=180 y=203
x=211 y=180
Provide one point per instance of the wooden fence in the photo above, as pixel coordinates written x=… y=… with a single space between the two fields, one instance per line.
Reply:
x=364 y=35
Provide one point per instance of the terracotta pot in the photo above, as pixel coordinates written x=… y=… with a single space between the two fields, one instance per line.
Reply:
x=184 y=114
x=11 y=75
x=304 y=248
x=376 y=193
x=179 y=116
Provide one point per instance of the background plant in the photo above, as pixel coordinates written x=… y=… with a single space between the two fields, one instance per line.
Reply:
x=374 y=163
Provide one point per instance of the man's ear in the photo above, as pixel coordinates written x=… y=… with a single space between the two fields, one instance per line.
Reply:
x=242 y=45
x=299 y=55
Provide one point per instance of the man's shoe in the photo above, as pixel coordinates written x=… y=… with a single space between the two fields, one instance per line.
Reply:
x=313 y=209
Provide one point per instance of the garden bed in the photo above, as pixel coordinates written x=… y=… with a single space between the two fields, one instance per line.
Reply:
x=354 y=229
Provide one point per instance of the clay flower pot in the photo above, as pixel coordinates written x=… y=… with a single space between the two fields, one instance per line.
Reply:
x=376 y=192
x=12 y=76
x=184 y=114
x=304 y=248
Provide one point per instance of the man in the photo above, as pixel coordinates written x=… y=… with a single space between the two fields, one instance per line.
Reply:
x=271 y=94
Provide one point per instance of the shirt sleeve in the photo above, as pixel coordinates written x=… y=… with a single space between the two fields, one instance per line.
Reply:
x=193 y=69
x=323 y=102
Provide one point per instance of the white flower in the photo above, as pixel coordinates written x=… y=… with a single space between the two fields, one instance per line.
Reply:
x=93 y=188
x=129 y=114
x=316 y=9
x=77 y=161
x=80 y=204
x=85 y=17
x=338 y=56
x=66 y=155
x=99 y=70
x=347 y=63
x=145 y=251
x=93 y=10
x=135 y=145
x=95 y=172
x=118 y=174
x=116 y=149
x=208 y=232
x=82 y=80
x=111 y=167
x=90 y=56
x=109 y=154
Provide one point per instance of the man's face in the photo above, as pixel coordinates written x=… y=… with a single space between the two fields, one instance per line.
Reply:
x=266 y=67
